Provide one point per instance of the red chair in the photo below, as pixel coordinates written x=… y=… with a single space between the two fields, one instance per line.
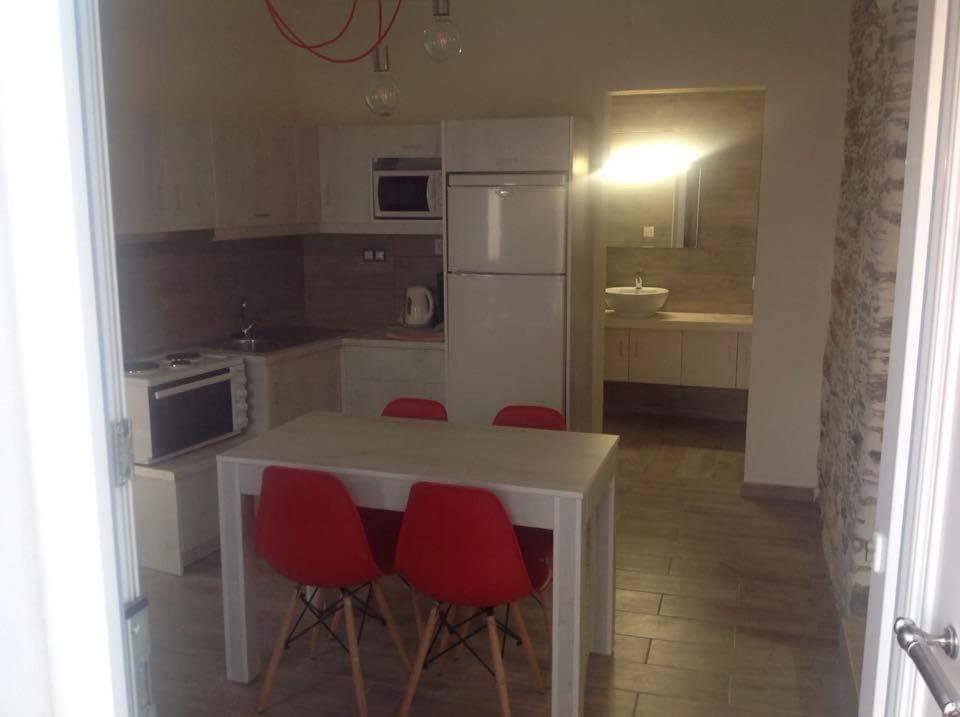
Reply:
x=308 y=530
x=457 y=545
x=536 y=543
x=422 y=408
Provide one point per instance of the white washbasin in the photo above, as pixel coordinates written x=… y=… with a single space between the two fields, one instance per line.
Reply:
x=630 y=301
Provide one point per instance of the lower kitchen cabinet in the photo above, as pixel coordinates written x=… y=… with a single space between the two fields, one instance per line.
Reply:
x=372 y=376
x=717 y=359
x=283 y=386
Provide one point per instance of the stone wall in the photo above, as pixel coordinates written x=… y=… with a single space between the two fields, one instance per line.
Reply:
x=858 y=344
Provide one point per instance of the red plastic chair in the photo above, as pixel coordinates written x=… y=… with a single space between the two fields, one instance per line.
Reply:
x=422 y=408
x=308 y=529
x=536 y=543
x=457 y=545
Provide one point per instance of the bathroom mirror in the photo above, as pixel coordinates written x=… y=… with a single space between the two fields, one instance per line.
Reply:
x=682 y=168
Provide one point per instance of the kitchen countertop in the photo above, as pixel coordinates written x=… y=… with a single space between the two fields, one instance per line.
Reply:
x=680 y=320
x=323 y=338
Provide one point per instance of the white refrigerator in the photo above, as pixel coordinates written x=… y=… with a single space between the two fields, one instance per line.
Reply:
x=506 y=313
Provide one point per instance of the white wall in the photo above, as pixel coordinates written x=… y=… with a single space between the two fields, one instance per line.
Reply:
x=541 y=57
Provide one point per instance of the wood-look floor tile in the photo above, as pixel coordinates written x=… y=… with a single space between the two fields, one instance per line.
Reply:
x=628 y=647
x=653 y=679
x=695 y=608
x=688 y=567
x=657 y=706
x=719 y=588
x=692 y=656
x=609 y=703
x=658 y=627
x=652 y=564
x=633 y=601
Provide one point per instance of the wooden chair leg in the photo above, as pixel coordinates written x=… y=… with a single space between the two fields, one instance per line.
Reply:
x=391 y=625
x=354 y=648
x=417 y=617
x=528 y=648
x=278 y=648
x=425 y=636
x=320 y=602
x=498 y=671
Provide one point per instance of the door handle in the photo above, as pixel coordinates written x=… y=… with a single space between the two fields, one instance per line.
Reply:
x=919 y=646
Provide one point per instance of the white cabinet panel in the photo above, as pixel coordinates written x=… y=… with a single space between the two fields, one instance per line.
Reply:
x=709 y=359
x=309 y=176
x=655 y=356
x=347 y=154
x=540 y=144
x=744 y=344
x=373 y=376
x=417 y=140
x=284 y=388
x=616 y=357
x=367 y=398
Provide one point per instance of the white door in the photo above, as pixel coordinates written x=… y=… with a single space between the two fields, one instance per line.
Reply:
x=507 y=224
x=918 y=535
x=505 y=344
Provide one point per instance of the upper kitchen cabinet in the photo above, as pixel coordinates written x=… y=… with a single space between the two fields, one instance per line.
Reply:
x=348 y=154
x=256 y=176
x=161 y=174
x=540 y=144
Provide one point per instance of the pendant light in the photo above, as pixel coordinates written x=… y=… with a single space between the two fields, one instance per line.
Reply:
x=441 y=38
x=383 y=97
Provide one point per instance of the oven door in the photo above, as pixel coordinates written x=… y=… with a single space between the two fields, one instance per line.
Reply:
x=191 y=412
x=407 y=195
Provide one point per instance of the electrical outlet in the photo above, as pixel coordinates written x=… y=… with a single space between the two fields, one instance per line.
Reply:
x=649 y=232
x=368 y=254
x=379 y=255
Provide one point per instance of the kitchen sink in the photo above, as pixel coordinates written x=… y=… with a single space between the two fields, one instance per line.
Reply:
x=631 y=301
x=276 y=339
x=255 y=346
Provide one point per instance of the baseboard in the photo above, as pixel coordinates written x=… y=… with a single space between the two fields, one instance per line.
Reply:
x=767 y=491
x=646 y=399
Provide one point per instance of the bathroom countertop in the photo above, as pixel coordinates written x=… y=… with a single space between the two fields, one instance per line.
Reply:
x=681 y=320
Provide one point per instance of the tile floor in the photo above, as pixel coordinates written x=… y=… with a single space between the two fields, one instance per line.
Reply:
x=723 y=609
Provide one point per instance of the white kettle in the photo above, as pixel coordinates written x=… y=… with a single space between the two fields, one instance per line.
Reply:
x=418 y=307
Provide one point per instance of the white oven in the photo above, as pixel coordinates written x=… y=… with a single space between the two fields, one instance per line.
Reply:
x=407 y=189
x=178 y=404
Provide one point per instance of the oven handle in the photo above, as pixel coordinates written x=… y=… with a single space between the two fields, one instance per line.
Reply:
x=166 y=393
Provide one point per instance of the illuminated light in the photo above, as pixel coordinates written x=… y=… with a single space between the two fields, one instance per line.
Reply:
x=648 y=162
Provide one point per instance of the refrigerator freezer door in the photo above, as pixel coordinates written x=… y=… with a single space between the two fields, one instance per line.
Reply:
x=507 y=229
x=505 y=343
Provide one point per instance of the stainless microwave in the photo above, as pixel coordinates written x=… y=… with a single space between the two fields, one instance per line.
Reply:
x=407 y=189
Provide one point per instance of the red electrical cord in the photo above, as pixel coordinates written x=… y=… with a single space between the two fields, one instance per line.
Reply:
x=291 y=36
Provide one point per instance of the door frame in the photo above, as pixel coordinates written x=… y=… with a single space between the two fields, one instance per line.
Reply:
x=924 y=352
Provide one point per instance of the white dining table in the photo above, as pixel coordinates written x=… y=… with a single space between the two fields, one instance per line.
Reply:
x=563 y=481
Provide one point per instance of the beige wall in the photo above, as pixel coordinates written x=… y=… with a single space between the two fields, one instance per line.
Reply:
x=540 y=57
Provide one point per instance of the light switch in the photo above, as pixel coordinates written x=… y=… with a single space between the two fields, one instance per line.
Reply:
x=379 y=255
x=368 y=254
x=649 y=232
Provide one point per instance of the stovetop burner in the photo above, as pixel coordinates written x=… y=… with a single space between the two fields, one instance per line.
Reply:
x=179 y=362
x=137 y=367
x=182 y=355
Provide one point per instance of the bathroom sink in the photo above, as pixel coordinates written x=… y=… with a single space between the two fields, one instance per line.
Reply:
x=630 y=301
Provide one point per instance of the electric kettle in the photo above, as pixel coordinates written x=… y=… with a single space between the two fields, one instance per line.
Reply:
x=418 y=307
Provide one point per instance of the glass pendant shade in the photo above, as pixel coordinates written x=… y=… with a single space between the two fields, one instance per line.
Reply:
x=383 y=97
x=441 y=38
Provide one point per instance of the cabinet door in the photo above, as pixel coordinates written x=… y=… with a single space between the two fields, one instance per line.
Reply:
x=347 y=154
x=276 y=176
x=744 y=344
x=309 y=176
x=709 y=359
x=235 y=169
x=186 y=149
x=415 y=140
x=655 y=356
x=540 y=144
x=616 y=357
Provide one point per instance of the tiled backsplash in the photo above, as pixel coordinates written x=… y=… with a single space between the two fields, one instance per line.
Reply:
x=187 y=289
x=343 y=290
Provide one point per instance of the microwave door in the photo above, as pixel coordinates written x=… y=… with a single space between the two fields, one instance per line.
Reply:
x=184 y=414
x=399 y=196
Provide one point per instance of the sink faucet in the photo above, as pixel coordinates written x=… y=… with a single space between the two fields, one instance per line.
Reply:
x=638 y=281
x=246 y=328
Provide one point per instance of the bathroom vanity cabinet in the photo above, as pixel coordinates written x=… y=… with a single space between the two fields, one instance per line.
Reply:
x=711 y=350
